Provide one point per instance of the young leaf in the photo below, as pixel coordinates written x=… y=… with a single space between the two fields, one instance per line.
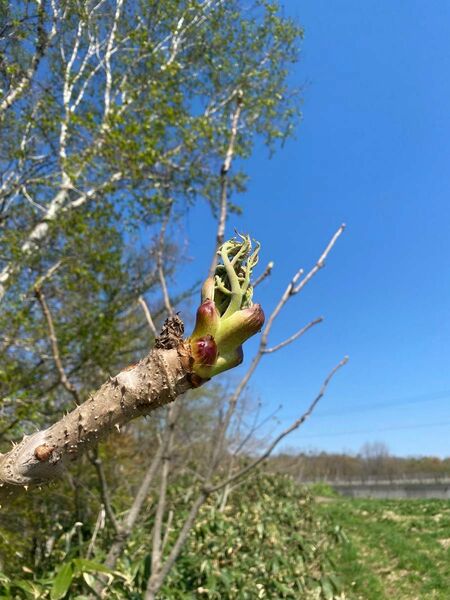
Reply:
x=62 y=582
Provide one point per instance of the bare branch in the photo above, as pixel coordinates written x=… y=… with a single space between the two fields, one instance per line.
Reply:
x=142 y=493
x=282 y=301
x=167 y=530
x=226 y=165
x=265 y=274
x=321 y=262
x=293 y=288
x=160 y=262
x=51 y=271
x=127 y=524
x=99 y=524
x=257 y=425
x=295 y=425
x=54 y=343
x=104 y=490
x=293 y=337
x=148 y=315
x=156 y=579
x=174 y=412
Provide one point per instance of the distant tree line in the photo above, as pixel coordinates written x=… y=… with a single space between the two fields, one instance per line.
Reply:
x=373 y=461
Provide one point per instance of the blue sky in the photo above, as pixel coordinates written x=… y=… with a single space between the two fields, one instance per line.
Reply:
x=373 y=151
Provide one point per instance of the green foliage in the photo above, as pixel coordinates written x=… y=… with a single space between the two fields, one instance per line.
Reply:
x=322 y=489
x=68 y=576
x=269 y=542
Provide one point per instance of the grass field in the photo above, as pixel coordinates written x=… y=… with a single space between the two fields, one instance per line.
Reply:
x=396 y=550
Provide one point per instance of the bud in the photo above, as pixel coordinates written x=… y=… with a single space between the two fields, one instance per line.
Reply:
x=223 y=363
x=242 y=324
x=226 y=317
x=204 y=350
x=207 y=321
x=208 y=289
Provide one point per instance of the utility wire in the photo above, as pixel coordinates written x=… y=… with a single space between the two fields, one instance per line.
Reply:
x=445 y=395
x=369 y=431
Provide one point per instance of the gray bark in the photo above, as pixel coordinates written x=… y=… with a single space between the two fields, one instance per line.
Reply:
x=156 y=380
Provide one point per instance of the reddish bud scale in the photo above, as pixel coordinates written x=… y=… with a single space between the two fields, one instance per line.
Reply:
x=204 y=350
x=207 y=320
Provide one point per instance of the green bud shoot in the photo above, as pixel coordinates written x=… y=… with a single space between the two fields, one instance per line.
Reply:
x=226 y=317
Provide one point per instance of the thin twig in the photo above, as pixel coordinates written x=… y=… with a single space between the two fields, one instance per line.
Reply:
x=99 y=524
x=157 y=545
x=160 y=262
x=226 y=166
x=265 y=274
x=156 y=579
x=167 y=530
x=50 y=272
x=254 y=429
x=148 y=315
x=293 y=337
x=54 y=343
x=295 y=425
x=104 y=489
x=321 y=262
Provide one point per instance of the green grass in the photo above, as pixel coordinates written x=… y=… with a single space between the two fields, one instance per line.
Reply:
x=396 y=549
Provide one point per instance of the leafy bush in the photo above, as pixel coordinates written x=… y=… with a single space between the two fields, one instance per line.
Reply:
x=269 y=542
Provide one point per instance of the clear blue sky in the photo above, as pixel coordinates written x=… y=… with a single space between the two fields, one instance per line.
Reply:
x=373 y=151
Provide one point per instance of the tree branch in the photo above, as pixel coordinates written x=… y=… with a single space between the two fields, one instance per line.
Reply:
x=293 y=337
x=156 y=579
x=54 y=343
x=42 y=42
x=157 y=547
x=224 y=179
x=156 y=380
x=160 y=262
x=267 y=271
x=148 y=315
x=104 y=490
x=295 y=425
